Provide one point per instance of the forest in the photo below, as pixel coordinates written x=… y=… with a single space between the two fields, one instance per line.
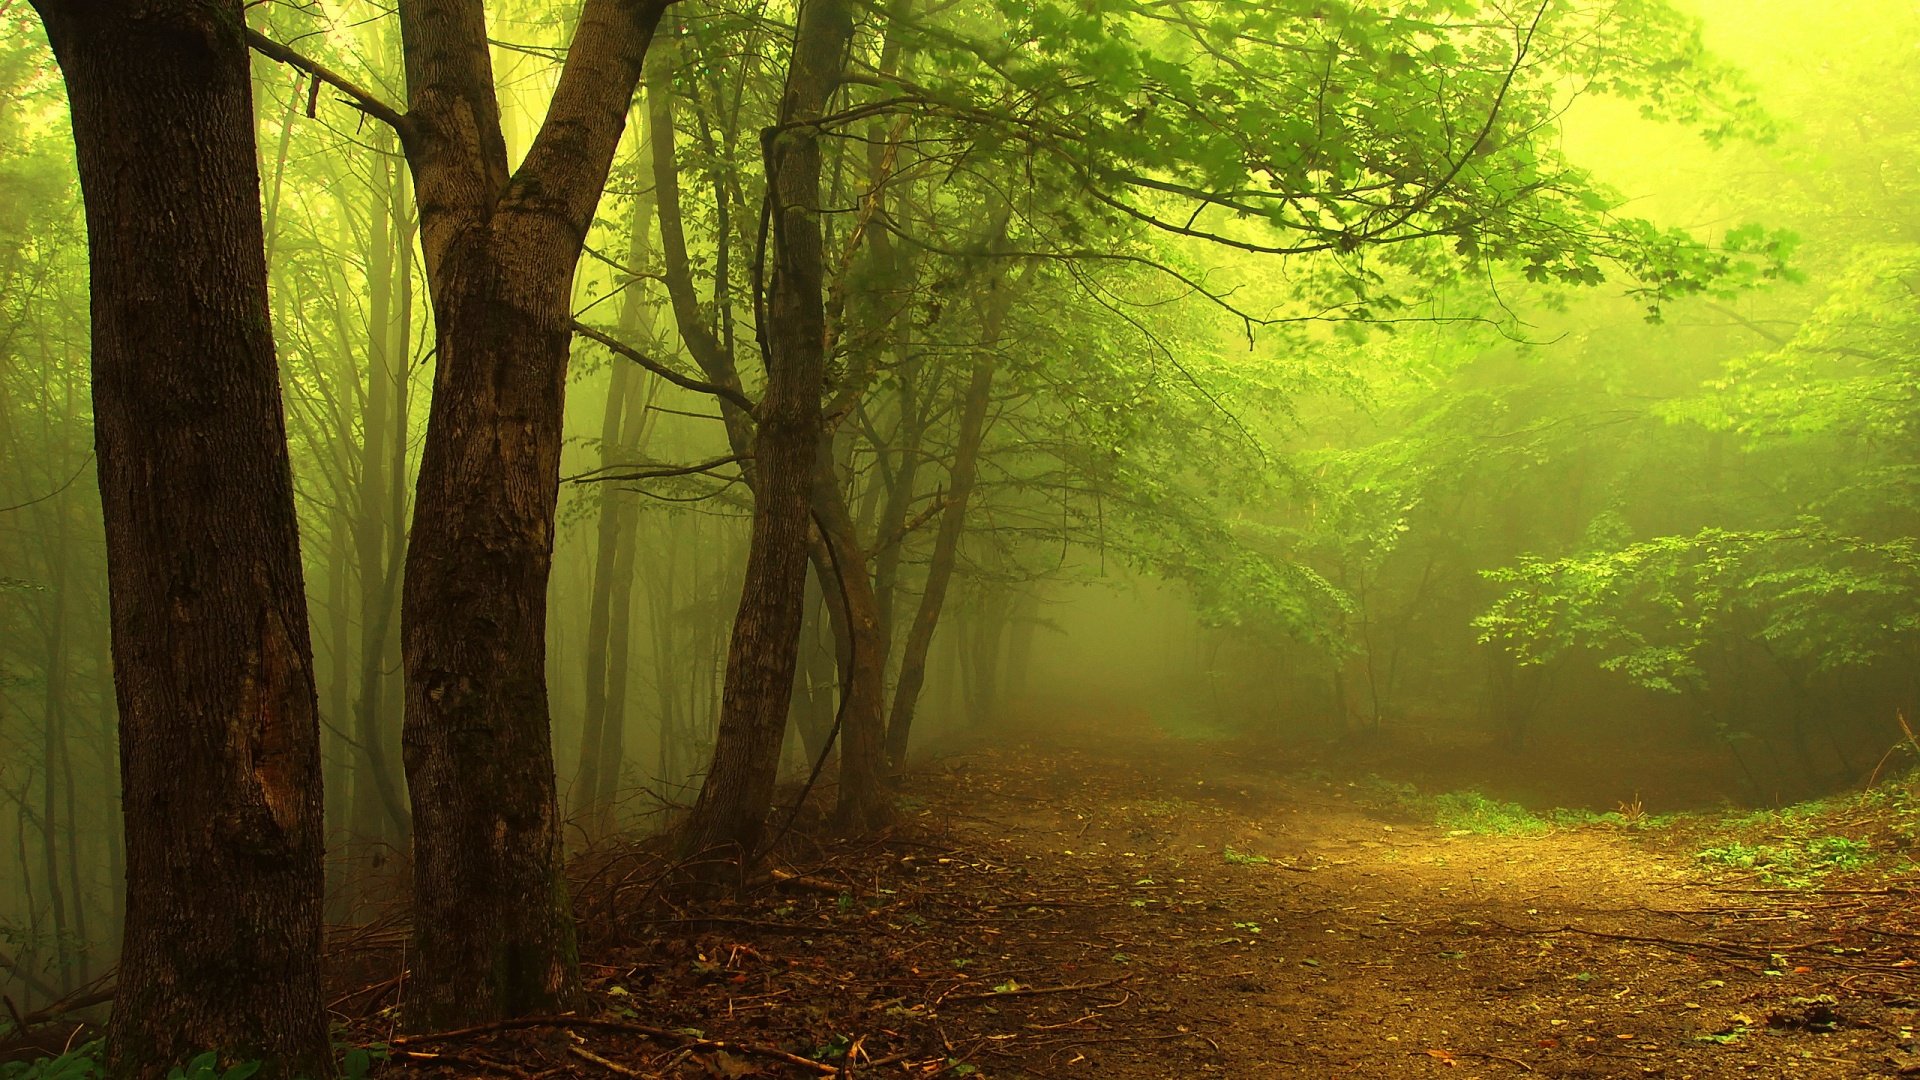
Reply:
x=943 y=538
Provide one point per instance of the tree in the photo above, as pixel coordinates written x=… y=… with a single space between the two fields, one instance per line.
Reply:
x=219 y=741
x=492 y=925
x=761 y=657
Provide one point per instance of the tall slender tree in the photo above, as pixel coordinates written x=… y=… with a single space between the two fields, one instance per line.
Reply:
x=766 y=631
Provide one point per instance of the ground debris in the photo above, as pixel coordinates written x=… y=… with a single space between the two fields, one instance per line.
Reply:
x=1117 y=904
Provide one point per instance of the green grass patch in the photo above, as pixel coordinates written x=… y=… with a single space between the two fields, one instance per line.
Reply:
x=1484 y=815
x=1796 y=862
x=1470 y=811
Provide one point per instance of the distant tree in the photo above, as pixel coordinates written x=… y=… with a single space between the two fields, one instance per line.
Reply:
x=218 y=731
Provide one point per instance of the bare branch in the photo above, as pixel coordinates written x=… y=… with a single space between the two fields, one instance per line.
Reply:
x=607 y=474
x=621 y=348
x=357 y=96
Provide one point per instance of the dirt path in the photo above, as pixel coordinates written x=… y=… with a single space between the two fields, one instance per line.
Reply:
x=1115 y=904
x=1264 y=926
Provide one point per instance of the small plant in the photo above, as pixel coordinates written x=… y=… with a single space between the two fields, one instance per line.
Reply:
x=207 y=1067
x=1470 y=811
x=1734 y=854
x=80 y=1063
x=1796 y=863
x=835 y=1047
x=1240 y=858
x=358 y=1061
x=1839 y=853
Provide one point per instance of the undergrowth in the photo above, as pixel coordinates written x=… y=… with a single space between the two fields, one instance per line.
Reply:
x=1795 y=846
x=83 y=1063
x=1790 y=847
x=1471 y=812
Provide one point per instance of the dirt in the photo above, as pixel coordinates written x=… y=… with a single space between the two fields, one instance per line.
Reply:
x=1107 y=901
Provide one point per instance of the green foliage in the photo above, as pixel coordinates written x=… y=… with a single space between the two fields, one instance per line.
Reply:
x=1836 y=589
x=1827 y=600
x=1479 y=814
x=207 y=1066
x=1241 y=858
x=1470 y=811
x=1795 y=863
x=80 y=1063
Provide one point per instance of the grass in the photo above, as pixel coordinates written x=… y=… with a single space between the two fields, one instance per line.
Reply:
x=1476 y=813
x=1473 y=812
x=1241 y=858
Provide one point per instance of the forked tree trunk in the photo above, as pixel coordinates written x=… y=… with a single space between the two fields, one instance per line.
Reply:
x=730 y=812
x=493 y=928
x=212 y=667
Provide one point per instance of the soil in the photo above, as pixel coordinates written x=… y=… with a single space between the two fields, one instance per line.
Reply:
x=1104 y=900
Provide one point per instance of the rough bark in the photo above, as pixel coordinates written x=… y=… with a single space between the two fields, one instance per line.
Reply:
x=212 y=667
x=493 y=928
x=732 y=806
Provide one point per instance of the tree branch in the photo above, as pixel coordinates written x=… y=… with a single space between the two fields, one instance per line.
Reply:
x=621 y=348
x=357 y=96
x=605 y=473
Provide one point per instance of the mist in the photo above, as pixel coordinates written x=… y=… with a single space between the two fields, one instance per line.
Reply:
x=1510 y=404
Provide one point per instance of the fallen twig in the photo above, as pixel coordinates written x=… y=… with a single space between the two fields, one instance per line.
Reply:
x=662 y=1034
x=585 y=1054
x=1026 y=991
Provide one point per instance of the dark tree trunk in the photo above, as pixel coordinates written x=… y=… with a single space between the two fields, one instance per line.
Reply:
x=213 y=671
x=733 y=801
x=493 y=928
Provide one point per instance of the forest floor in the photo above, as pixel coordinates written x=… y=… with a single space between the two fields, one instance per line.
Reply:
x=1112 y=901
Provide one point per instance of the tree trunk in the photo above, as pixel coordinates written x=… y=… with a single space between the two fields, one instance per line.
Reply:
x=610 y=613
x=953 y=521
x=613 y=733
x=212 y=667
x=842 y=569
x=815 y=684
x=380 y=811
x=731 y=810
x=606 y=557
x=53 y=734
x=492 y=924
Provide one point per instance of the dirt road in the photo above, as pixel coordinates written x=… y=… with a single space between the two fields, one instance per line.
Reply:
x=1256 y=924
